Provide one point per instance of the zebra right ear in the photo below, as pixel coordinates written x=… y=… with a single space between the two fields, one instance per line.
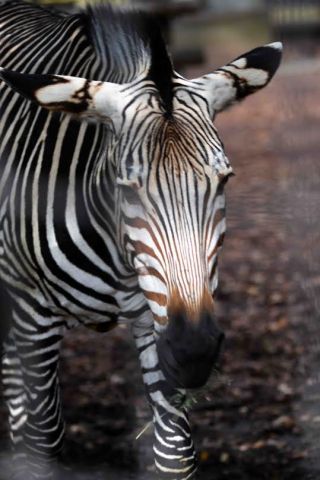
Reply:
x=67 y=94
x=243 y=76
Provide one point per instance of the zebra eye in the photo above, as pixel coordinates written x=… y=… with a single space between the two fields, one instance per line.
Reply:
x=130 y=192
x=223 y=178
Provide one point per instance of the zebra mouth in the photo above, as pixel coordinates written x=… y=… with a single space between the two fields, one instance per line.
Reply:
x=190 y=365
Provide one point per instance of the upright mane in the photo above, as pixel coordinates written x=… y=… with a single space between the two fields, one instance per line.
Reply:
x=131 y=44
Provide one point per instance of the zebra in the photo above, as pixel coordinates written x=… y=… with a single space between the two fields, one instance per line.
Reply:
x=112 y=211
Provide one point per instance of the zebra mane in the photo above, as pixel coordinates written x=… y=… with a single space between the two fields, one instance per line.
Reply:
x=131 y=43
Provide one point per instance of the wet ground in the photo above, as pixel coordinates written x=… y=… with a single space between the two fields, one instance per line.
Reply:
x=259 y=418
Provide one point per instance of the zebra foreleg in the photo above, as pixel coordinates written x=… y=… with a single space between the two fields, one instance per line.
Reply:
x=173 y=445
x=43 y=428
x=15 y=398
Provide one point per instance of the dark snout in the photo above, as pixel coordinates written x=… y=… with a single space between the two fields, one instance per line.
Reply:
x=188 y=350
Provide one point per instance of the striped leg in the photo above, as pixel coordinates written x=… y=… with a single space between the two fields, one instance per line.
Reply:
x=15 y=398
x=173 y=445
x=42 y=425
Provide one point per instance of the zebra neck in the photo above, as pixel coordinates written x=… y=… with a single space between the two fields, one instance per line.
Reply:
x=101 y=190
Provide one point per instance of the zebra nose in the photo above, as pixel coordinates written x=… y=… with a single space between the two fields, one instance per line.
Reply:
x=187 y=352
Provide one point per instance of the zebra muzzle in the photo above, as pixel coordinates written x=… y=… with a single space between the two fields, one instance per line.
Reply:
x=187 y=352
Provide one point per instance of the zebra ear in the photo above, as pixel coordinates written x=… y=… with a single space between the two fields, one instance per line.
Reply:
x=243 y=76
x=66 y=94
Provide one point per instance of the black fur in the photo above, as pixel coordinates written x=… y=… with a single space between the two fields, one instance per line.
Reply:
x=161 y=68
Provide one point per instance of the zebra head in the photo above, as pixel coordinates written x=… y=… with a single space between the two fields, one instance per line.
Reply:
x=170 y=170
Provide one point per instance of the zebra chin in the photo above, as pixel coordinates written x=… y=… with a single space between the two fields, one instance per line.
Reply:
x=187 y=351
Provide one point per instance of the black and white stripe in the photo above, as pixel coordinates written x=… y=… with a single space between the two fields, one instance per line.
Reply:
x=116 y=218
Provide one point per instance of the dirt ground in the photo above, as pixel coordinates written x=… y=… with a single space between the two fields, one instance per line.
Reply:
x=259 y=417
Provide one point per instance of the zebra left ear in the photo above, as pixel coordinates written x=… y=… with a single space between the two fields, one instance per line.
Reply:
x=66 y=94
x=243 y=76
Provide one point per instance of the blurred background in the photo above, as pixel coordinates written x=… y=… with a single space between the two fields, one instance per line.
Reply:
x=259 y=417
